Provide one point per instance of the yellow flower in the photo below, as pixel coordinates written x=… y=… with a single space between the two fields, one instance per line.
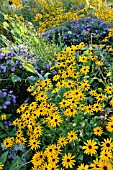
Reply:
x=38 y=158
x=111 y=102
x=108 y=89
x=95 y=164
x=90 y=147
x=38 y=16
x=107 y=144
x=109 y=126
x=99 y=63
x=105 y=165
x=50 y=150
x=64 y=103
x=97 y=107
x=93 y=93
x=56 y=120
x=84 y=69
x=89 y=109
x=1 y=166
x=8 y=142
x=83 y=59
x=3 y=117
x=62 y=141
x=67 y=161
x=88 y=52
x=106 y=155
x=83 y=167
x=98 y=131
x=93 y=58
x=34 y=144
x=100 y=97
x=71 y=136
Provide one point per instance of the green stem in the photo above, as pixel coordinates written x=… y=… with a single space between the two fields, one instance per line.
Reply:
x=22 y=165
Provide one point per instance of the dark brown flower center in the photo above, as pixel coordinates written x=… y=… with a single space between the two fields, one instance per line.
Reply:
x=90 y=147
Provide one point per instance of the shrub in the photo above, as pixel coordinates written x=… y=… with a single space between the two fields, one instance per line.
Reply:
x=75 y=32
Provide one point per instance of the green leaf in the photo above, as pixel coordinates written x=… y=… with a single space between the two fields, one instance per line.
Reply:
x=18 y=58
x=1 y=125
x=5 y=51
x=8 y=116
x=32 y=79
x=40 y=77
x=46 y=75
x=29 y=67
x=3 y=158
x=12 y=133
x=3 y=136
x=15 y=78
x=15 y=163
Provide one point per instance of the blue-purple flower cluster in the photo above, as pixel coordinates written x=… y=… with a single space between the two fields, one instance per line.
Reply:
x=75 y=31
x=6 y=98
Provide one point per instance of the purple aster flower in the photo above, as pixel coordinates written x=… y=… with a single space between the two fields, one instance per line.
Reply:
x=7 y=102
x=20 y=66
x=6 y=126
x=37 y=68
x=10 y=123
x=5 y=122
x=4 y=107
x=13 y=69
x=14 y=101
x=4 y=94
x=4 y=68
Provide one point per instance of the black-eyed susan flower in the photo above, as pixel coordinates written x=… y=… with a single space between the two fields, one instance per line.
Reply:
x=8 y=142
x=109 y=126
x=83 y=59
x=107 y=144
x=98 y=131
x=53 y=159
x=85 y=85
x=50 y=150
x=93 y=57
x=106 y=155
x=111 y=102
x=52 y=166
x=105 y=165
x=83 y=167
x=95 y=164
x=56 y=77
x=68 y=161
x=56 y=121
x=84 y=69
x=93 y=93
x=34 y=144
x=100 y=97
x=62 y=141
x=97 y=107
x=3 y=117
x=89 y=109
x=64 y=103
x=1 y=165
x=99 y=63
x=38 y=158
x=71 y=136
x=108 y=89
x=90 y=147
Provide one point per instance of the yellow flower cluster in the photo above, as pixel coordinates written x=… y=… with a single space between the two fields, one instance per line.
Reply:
x=53 y=110
x=16 y=1
x=104 y=13
x=55 y=16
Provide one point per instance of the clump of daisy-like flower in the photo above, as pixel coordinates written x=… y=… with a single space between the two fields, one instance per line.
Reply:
x=67 y=125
